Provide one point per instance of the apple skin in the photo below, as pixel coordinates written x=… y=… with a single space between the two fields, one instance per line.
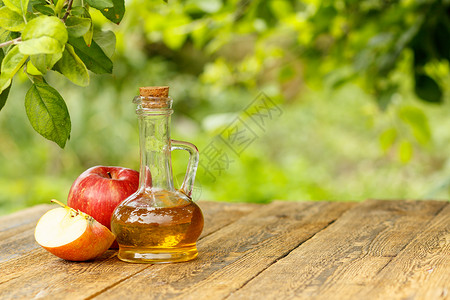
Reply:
x=93 y=243
x=98 y=190
x=72 y=235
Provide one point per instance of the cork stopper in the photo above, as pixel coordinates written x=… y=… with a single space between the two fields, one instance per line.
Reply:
x=154 y=91
x=154 y=97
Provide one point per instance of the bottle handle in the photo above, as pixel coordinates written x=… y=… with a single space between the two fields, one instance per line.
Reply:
x=188 y=183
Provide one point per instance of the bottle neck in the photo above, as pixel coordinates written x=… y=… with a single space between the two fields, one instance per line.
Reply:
x=155 y=150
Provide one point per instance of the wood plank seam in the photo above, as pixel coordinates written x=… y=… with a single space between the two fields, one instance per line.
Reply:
x=374 y=250
x=220 y=228
x=25 y=255
x=28 y=225
x=410 y=240
x=387 y=263
x=415 y=269
x=318 y=275
x=244 y=212
x=149 y=266
x=115 y=283
x=225 y=264
x=282 y=256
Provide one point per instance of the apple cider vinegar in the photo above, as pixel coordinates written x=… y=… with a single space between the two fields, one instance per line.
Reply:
x=157 y=234
x=158 y=223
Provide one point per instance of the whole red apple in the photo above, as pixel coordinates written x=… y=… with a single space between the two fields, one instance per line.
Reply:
x=98 y=190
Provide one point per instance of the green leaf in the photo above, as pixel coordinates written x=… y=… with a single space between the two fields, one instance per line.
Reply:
x=405 y=151
x=11 y=63
x=59 y=5
x=200 y=34
x=5 y=35
x=115 y=13
x=11 y=20
x=100 y=4
x=427 y=89
x=48 y=113
x=384 y=95
x=19 y=6
x=45 y=62
x=71 y=66
x=2 y=56
x=385 y=63
x=80 y=11
x=281 y=9
x=77 y=26
x=32 y=70
x=5 y=93
x=5 y=82
x=93 y=57
x=42 y=45
x=44 y=35
x=4 y=96
x=36 y=2
x=174 y=37
x=387 y=139
x=106 y=40
x=417 y=121
x=84 y=13
x=87 y=37
x=44 y=9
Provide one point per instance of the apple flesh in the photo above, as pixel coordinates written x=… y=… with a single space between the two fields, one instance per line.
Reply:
x=98 y=191
x=72 y=235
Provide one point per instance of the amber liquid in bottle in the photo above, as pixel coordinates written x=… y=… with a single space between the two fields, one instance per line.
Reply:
x=158 y=223
x=158 y=234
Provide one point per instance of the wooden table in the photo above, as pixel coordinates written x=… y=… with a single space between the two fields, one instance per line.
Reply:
x=283 y=250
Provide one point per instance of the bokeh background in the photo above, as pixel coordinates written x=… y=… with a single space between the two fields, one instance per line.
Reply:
x=345 y=124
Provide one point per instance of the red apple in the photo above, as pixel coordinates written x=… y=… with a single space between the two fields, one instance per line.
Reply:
x=98 y=190
x=72 y=235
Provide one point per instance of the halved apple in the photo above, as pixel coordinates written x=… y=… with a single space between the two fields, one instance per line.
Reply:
x=72 y=235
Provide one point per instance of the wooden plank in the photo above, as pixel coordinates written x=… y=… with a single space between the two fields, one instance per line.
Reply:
x=39 y=274
x=421 y=270
x=345 y=256
x=17 y=233
x=23 y=216
x=17 y=230
x=19 y=244
x=220 y=214
x=11 y=224
x=232 y=256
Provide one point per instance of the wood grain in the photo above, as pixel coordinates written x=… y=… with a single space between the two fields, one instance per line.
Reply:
x=11 y=224
x=283 y=250
x=219 y=214
x=422 y=269
x=347 y=255
x=232 y=256
x=17 y=231
x=42 y=275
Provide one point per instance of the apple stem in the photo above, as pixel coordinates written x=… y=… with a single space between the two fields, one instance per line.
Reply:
x=58 y=202
x=109 y=174
x=72 y=211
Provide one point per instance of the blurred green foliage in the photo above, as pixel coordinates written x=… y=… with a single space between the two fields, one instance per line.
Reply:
x=343 y=75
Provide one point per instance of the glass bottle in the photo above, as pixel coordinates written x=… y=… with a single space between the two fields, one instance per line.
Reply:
x=158 y=223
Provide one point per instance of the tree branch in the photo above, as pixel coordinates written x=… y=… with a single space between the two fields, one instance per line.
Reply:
x=69 y=8
x=11 y=42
